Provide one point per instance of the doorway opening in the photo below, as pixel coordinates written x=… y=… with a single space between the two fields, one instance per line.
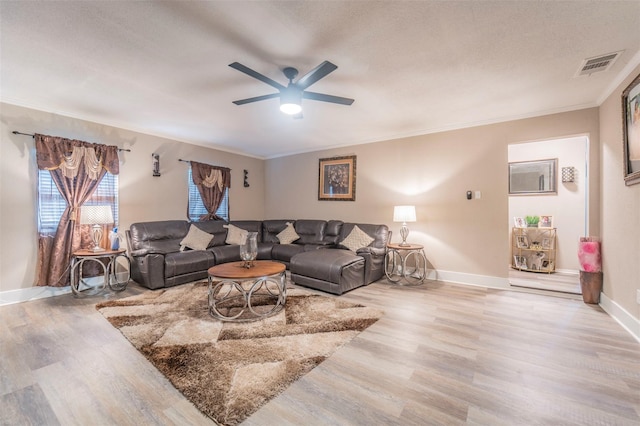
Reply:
x=567 y=208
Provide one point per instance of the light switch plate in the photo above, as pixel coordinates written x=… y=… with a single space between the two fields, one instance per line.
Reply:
x=478 y=195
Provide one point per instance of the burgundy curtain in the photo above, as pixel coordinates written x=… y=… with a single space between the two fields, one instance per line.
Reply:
x=211 y=182
x=76 y=168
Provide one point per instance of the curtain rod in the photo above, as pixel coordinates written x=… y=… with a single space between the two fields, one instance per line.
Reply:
x=189 y=161
x=15 y=132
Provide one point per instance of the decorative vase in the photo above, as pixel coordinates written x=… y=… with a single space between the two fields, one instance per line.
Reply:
x=249 y=249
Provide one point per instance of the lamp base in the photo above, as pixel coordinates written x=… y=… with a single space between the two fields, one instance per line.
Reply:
x=404 y=233
x=96 y=238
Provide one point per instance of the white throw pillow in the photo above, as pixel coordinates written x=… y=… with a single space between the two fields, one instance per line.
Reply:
x=235 y=235
x=288 y=234
x=357 y=239
x=196 y=239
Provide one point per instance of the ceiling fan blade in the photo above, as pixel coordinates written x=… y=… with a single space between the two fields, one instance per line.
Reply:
x=257 y=75
x=327 y=98
x=316 y=74
x=256 y=99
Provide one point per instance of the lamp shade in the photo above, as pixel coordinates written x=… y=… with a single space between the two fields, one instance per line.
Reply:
x=96 y=215
x=404 y=214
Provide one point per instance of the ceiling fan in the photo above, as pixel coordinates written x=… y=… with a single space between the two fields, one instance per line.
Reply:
x=292 y=94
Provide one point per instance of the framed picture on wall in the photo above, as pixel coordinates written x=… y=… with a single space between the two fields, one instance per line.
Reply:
x=631 y=132
x=337 y=179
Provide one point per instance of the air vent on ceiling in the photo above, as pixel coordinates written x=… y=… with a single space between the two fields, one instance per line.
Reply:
x=597 y=64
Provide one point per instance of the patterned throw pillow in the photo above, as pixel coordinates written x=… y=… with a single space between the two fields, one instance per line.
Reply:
x=288 y=234
x=196 y=239
x=356 y=239
x=235 y=235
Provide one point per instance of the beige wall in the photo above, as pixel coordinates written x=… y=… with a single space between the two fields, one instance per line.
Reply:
x=620 y=211
x=466 y=240
x=142 y=197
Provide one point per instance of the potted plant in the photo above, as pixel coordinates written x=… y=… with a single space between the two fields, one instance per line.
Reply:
x=532 y=221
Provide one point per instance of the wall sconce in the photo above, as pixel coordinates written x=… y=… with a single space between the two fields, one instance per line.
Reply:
x=568 y=174
x=156 y=164
x=246 y=178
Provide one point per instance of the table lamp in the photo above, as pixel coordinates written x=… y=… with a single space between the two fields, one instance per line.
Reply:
x=404 y=214
x=96 y=216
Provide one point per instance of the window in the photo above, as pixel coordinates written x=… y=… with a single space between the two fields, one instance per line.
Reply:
x=196 y=207
x=51 y=204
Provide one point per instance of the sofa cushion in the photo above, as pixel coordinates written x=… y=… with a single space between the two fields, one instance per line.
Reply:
x=215 y=228
x=380 y=233
x=310 y=231
x=271 y=228
x=332 y=231
x=356 y=239
x=235 y=235
x=288 y=234
x=196 y=239
x=342 y=267
x=284 y=252
x=185 y=262
x=158 y=237
x=224 y=254
x=250 y=226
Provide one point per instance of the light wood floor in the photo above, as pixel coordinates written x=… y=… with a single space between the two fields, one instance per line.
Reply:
x=442 y=355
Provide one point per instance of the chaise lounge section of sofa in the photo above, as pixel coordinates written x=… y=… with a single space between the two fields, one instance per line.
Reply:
x=316 y=259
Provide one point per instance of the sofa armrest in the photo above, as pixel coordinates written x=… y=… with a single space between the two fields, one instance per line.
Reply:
x=374 y=263
x=148 y=270
x=371 y=250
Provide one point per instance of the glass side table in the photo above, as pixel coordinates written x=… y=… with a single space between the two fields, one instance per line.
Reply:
x=405 y=265
x=79 y=285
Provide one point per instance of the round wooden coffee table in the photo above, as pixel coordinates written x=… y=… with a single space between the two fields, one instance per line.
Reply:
x=237 y=293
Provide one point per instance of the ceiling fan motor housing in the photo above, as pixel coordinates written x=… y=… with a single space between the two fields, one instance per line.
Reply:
x=290 y=73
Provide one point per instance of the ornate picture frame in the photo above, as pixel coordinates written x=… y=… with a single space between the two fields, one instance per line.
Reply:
x=337 y=179
x=631 y=132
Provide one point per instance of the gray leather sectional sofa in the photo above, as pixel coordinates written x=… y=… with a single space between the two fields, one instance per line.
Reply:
x=317 y=259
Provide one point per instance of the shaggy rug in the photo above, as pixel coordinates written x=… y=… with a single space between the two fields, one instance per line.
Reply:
x=229 y=370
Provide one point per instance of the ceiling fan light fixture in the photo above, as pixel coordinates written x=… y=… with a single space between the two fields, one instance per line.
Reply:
x=291 y=102
x=290 y=108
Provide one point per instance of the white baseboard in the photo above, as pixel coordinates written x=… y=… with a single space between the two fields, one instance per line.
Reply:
x=469 y=279
x=618 y=313
x=33 y=293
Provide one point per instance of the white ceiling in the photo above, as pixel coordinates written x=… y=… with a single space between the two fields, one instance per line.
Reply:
x=412 y=67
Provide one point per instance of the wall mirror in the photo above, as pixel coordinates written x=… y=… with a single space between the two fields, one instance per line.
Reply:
x=533 y=177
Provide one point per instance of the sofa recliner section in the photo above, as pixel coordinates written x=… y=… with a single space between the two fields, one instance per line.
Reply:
x=316 y=257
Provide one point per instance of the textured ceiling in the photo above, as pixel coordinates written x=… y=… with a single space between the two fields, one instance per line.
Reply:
x=412 y=67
